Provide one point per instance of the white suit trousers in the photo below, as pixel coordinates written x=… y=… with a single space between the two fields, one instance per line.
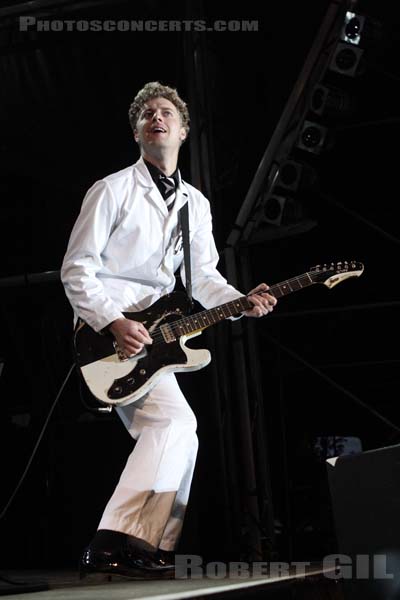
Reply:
x=151 y=496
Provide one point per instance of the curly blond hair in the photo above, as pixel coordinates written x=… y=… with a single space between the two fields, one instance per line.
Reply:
x=155 y=89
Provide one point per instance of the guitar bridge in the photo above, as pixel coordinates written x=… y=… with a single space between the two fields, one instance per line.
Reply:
x=120 y=353
x=123 y=357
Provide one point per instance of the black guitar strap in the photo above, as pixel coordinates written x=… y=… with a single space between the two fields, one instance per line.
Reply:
x=184 y=212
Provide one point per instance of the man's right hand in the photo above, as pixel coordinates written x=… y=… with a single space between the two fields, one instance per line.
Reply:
x=130 y=335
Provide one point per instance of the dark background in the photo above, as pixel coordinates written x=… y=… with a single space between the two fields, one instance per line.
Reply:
x=64 y=99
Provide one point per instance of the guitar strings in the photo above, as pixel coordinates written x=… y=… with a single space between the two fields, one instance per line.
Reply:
x=158 y=336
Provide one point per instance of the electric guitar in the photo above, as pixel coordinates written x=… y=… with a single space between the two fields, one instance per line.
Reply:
x=117 y=380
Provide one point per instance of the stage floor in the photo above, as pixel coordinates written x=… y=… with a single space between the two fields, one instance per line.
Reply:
x=65 y=585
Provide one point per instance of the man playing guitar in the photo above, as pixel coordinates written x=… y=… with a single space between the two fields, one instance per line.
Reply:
x=122 y=255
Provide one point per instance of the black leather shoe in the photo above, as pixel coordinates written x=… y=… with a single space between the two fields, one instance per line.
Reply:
x=126 y=562
x=165 y=557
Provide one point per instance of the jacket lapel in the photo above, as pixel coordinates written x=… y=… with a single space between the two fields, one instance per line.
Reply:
x=150 y=190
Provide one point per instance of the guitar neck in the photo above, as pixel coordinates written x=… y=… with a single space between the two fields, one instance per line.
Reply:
x=206 y=318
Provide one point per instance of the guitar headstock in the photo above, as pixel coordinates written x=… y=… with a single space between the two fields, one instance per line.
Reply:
x=331 y=275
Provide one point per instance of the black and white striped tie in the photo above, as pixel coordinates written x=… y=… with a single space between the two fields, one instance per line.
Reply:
x=167 y=188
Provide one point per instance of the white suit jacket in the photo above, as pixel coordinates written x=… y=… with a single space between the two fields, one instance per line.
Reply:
x=125 y=248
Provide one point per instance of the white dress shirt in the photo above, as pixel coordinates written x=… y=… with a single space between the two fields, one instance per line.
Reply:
x=125 y=248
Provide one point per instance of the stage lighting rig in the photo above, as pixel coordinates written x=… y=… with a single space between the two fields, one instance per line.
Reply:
x=295 y=175
x=346 y=59
x=313 y=137
x=361 y=30
x=273 y=210
x=352 y=28
x=331 y=101
x=359 y=33
x=289 y=175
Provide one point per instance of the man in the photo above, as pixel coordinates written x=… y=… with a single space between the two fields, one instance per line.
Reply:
x=123 y=252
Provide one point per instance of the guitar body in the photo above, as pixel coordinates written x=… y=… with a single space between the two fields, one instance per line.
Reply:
x=116 y=380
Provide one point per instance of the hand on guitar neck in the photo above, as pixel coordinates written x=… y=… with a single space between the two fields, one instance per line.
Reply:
x=130 y=335
x=263 y=302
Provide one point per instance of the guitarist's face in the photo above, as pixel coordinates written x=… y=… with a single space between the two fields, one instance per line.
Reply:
x=159 y=128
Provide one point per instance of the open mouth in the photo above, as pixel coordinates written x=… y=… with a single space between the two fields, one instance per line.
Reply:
x=158 y=130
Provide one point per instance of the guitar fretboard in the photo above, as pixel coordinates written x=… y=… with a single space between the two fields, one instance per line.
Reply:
x=209 y=317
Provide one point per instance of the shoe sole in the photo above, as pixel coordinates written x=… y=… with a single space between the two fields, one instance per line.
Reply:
x=98 y=577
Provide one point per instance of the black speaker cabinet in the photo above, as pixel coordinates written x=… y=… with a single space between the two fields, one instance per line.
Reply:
x=365 y=492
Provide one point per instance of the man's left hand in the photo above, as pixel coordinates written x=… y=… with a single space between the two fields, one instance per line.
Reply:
x=263 y=302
